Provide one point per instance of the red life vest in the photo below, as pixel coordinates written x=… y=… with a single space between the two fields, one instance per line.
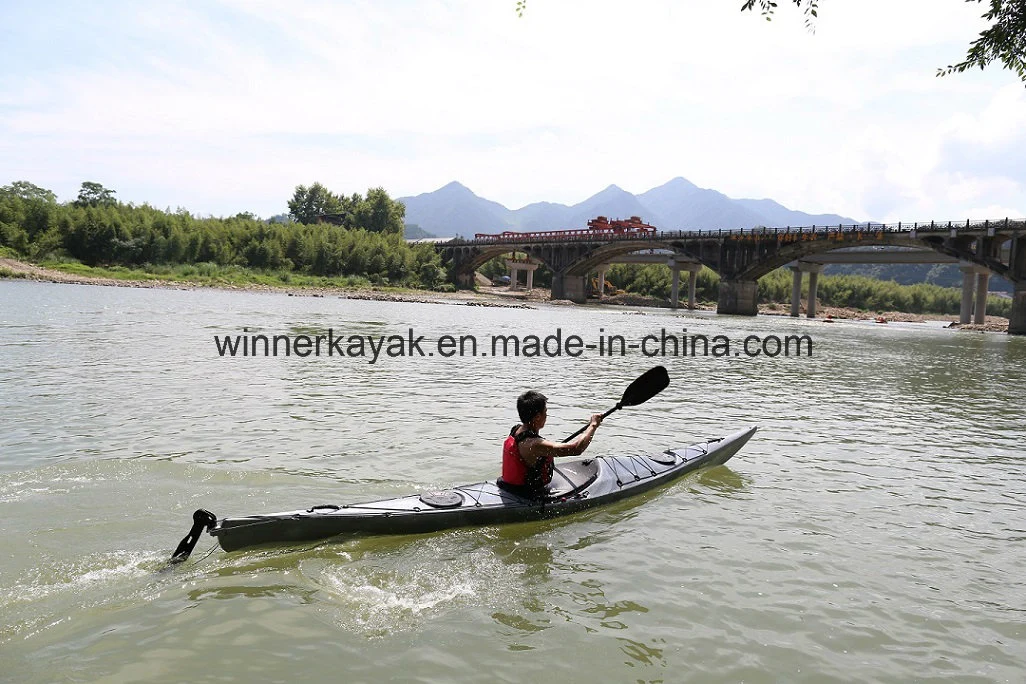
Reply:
x=515 y=471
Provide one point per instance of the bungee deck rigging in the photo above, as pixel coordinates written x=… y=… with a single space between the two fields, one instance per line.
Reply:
x=576 y=485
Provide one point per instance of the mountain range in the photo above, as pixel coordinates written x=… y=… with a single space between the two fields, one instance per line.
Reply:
x=454 y=210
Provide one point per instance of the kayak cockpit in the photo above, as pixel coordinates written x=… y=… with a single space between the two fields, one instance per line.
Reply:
x=570 y=478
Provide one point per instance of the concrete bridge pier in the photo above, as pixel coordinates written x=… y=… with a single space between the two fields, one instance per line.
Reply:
x=515 y=267
x=1017 y=318
x=674 y=285
x=796 y=287
x=738 y=297
x=693 y=285
x=968 y=277
x=796 y=291
x=602 y=282
x=1017 y=266
x=975 y=283
x=814 y=270
x=676 y=267
x=982 y=284
x=570 y=287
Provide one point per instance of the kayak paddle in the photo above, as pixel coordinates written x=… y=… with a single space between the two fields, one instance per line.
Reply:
x=651 y=383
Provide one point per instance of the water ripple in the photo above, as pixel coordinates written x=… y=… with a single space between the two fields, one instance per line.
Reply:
x=872 y=530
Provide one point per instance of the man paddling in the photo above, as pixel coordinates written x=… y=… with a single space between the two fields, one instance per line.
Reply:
x=527 y=457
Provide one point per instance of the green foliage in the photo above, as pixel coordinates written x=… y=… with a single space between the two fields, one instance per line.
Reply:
x=856 y=292
x=869 y=294
x=307 y=204
x=493 y=269
x=496 y=268
x=377 y=213
x=28 y=191
x=205 y=274
x=656 y=280
x=1004 y=41
x=26 y=211
x=98 y=232
x=95 y=195
x=859 y=292
x=767 y=7
x=776 y=286
x=13 y=238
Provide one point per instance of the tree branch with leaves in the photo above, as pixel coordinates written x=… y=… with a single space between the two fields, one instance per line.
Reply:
x=1003 y=41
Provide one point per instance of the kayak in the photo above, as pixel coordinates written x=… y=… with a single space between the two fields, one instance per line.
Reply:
x=576 y=485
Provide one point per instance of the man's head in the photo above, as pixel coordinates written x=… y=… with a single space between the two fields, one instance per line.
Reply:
x=531 y=405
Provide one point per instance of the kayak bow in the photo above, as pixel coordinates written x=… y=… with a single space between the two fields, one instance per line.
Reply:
x=576 y=485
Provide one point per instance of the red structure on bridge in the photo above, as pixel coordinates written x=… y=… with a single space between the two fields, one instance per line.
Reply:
x=597 y=227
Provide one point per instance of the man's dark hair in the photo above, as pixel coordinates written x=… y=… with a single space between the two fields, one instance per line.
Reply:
x=530 y=404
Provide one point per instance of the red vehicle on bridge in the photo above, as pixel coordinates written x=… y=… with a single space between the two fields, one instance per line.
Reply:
x=597 y=227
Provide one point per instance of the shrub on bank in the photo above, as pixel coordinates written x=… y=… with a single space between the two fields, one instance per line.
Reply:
x=850 y=291
x=113 y=235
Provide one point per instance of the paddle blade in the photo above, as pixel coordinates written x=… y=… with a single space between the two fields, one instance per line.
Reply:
x=647 y=386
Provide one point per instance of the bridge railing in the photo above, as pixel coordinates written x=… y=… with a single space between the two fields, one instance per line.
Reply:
x=968 y=226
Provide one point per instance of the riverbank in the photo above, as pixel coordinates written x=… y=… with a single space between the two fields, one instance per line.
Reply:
x=15 y=269
x=490 y=296
x=835 y=313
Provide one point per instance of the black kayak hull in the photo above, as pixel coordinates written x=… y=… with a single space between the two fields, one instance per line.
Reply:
x=576 y=486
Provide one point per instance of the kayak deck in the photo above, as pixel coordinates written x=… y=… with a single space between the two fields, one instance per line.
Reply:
x=576 y=485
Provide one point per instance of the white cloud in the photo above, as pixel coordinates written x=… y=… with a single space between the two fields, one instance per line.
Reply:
x=222 y=108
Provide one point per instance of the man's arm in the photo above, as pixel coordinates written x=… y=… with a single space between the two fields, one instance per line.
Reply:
x=540 y=448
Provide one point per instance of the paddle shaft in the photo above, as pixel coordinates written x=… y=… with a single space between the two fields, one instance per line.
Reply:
x=651 y=383
x=604 y=416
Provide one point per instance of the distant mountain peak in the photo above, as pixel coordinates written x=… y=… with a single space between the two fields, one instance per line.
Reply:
x=678 y=182
x=455 y=187
x=611 y=193
x=451 y=189
x=454 y=209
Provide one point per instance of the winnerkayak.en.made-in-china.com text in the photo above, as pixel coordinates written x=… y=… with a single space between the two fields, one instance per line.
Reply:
x=374 y=348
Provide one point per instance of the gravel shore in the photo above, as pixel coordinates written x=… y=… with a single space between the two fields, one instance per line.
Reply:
x=485 y=296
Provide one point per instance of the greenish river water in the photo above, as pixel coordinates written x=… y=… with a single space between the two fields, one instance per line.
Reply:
x=873 y=530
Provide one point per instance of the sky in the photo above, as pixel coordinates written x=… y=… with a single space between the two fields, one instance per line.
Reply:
x=225 y=106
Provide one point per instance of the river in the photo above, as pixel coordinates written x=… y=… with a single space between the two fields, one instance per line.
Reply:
x=872 y=530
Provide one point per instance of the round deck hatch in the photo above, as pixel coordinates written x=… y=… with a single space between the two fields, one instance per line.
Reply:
x=446 y=498
x=664 y=458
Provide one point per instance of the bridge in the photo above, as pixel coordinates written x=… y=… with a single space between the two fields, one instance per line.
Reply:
x=741 y=257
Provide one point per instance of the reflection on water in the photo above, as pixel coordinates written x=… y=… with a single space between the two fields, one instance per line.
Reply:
x=720 y=481
x=871 y=531
x=645 y=654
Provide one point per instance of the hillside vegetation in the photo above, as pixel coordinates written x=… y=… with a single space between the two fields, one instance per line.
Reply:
x=857 y=292
x=98 y=231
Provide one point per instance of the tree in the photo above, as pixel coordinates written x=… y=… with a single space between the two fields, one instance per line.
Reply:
x=28 y=191
x=95 y=195
x=26 y=211
x=307 y=204
x=379 y=213
x=1004 y=41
